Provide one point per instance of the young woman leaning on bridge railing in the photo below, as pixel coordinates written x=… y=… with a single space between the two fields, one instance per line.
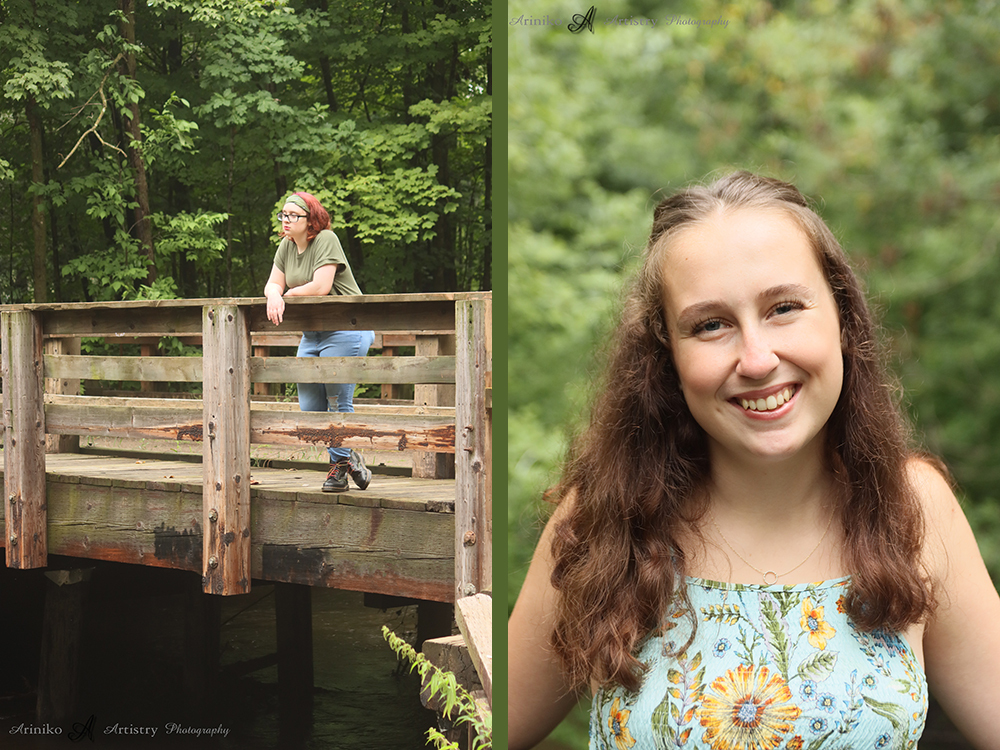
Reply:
x=311 y=262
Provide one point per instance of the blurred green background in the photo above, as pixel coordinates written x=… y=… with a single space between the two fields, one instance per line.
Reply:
x=886 y=113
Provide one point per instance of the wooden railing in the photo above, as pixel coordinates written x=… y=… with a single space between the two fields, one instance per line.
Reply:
x=225 y=421
x=436 y=399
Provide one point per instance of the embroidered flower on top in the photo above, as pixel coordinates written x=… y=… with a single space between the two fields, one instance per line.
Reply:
x=748 y=709
x=808 y=690
x=812 y=622
x=827 y=702
x=617 y=721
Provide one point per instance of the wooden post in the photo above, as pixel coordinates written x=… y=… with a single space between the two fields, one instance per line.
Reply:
x=262 y=389
x=434 y=620
x=202 y=634
x=389 y=390
x=293 y=620
x=486 y=553
x=63 y=386
x=62 y=628
x=149 y=349
x=226 y=446
x=434 y=465
x=24 y=440
x=473 y=521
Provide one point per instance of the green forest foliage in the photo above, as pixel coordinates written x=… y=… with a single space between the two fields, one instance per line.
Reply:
x=886 y=112
x=383 y=110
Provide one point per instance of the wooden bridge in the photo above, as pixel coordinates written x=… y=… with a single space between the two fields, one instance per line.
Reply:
x=422 y=538
x=424 y=534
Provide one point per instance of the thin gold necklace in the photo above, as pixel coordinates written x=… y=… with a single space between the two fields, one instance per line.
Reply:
x=770 y=577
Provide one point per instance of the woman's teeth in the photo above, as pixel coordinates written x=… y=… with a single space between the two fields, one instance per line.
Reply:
x=770 y=403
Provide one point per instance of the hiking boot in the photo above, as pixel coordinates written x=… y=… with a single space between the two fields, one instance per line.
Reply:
x=360 y=473
x=336 y=478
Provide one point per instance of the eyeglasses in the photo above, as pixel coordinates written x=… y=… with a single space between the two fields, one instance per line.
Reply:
x=290 y=218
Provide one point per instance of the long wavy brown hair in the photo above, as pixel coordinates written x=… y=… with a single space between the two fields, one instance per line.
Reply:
x=636 y=472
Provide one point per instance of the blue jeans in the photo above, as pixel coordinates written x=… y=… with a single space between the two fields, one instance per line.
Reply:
x=332 y=396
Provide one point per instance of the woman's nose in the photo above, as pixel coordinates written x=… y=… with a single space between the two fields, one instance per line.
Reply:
x=757 y=358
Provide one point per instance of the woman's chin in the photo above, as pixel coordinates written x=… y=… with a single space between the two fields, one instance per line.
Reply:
x=775 y=451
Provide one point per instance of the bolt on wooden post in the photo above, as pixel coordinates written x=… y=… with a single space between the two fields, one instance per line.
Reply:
x=24 y=441
x=226 y=446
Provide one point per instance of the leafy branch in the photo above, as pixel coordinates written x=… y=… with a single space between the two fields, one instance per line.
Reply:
x=459 y=705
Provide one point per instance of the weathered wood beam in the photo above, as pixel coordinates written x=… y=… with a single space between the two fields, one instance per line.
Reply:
x=262 y=369
x=289 y=339
x=431 y=312
x=24 y=440
x=88 y=319
x=184 y=402
x=386 y=433
x=474 y=615
x=172 y=369
x=473 y=506
x=426 y=313
x=196 y=304
x=434 y=465
x=451 y=654
x=183 y=421
x=303 y=537
x=226 y=456
x=352 y=369
x=132 y=422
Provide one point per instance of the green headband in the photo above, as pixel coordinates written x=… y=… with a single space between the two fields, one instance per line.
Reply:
x=293 y=198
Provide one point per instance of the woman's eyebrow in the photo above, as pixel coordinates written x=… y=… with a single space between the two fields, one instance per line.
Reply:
x=785 y=290
x=697 y=311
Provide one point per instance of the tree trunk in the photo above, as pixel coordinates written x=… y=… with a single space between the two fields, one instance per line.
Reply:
x=54 y=234
x=39 y=277
x=441 y=77
x=280 y=181
x=486 y=281
x=229 y=210
x=144 y=230
x=186 y=274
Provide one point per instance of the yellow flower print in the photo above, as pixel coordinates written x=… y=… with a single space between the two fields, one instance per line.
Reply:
x=812 y=621
x=616 y=723
x=747 y=710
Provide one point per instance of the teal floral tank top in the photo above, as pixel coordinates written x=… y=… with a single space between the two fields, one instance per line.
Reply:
x=771 y=667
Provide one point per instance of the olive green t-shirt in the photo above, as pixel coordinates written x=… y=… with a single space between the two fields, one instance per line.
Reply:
x=324 y=250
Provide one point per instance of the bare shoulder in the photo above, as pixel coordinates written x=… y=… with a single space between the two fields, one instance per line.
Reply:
x=536 y=600
x=538 y=694
x=934 y=488
x=961 y=639
x=944 y=521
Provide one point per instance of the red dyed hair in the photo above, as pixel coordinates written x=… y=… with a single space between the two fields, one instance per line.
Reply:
x=319 y=218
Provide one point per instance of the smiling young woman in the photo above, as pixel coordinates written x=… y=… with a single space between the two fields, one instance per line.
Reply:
x=751 y=317
x=748 y=551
